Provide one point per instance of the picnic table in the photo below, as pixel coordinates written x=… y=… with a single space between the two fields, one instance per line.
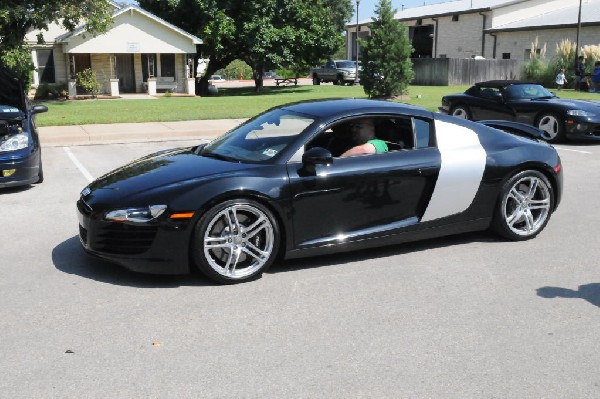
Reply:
x=286 y=81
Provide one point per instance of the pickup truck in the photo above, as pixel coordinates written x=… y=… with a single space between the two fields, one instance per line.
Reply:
x=338 y=72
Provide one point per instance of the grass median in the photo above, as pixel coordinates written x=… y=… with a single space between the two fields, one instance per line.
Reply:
x=229 y=103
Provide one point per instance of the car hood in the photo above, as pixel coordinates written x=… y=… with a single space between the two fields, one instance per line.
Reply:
x=12 y=92
x=591 y=106
x=160 y=170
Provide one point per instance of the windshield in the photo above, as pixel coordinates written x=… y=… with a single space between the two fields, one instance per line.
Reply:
x=259 y=139
x=345 y=64
x=527 y=91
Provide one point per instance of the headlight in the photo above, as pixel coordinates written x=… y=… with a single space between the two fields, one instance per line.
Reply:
x=137 y=215
x=579 y=112
x=14 y=142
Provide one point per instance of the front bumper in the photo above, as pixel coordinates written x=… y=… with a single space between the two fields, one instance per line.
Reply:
x=25 y=168
x=583 y=129
x=156 y=248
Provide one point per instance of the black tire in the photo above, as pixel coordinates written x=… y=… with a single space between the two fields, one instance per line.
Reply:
x=316 y=81
x=524 y=207
x=339 y=80
x=553 y=126
x=461 y=111
x=245 y=240
x=40 y=173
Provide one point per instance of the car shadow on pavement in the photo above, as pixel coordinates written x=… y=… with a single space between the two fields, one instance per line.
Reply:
x=588 y=292
x=382 y=252
x=70 y=258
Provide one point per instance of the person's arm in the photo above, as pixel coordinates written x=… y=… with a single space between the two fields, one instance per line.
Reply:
x=366 y=148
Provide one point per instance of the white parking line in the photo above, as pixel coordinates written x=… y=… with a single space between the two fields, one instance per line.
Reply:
x=568 y=149
x=81 y=168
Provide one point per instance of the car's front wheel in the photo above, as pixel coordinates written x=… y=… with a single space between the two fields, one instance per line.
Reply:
x=235 y=241
x=316 y=81
x=460 y=111
x=551 y=124
x=525 y=206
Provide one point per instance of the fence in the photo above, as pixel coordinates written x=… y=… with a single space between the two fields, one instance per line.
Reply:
x=459 y=71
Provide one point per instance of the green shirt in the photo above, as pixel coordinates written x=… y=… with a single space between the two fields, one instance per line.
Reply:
x=380 y=145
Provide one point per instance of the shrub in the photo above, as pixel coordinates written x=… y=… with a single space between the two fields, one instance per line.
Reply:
x=88 y=80
x=50 y=90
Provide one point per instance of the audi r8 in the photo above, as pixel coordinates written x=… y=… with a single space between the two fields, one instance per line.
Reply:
x=277 y=187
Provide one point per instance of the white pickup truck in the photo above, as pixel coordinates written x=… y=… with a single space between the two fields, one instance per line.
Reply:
x=339 y=72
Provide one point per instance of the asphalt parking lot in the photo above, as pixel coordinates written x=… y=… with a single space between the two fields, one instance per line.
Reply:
x=468 y=316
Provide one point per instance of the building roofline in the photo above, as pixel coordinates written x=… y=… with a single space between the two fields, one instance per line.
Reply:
x=80 y=30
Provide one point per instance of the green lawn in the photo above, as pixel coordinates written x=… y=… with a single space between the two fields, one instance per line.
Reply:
x=229 y=103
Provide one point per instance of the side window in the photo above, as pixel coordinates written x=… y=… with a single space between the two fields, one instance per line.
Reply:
x=396 y=132
x=423 y=134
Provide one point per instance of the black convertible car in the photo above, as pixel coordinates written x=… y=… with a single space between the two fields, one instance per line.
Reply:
x=20 y=152
x=527 y=103
x=276 y=186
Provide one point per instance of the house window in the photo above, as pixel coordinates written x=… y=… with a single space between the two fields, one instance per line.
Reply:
x=506 y=56
x=455 y=18
x=167 y=65
x=419 y=22
x=45 y=61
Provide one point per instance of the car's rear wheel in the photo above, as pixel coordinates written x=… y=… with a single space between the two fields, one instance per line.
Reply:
x=551 y=124
x=525 y=206
x=461 y=111
x=235 y=241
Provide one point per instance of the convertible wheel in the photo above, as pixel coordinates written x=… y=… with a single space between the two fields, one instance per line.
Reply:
x=525 y=206
x=235 y=241
x=552 y=125
x=460 y=111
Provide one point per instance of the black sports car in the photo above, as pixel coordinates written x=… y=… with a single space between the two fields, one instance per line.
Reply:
x=527 y=103
x=276 y=186
x=20 y=152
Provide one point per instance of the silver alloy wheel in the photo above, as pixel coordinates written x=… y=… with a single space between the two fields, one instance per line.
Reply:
x=526 y=206
x=238 y=241
x=550 y=125
x=460 y=112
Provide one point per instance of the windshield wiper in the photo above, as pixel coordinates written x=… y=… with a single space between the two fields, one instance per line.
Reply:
x=219 y=156
x=543 y=98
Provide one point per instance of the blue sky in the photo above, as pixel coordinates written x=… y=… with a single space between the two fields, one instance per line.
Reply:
x=366 y=9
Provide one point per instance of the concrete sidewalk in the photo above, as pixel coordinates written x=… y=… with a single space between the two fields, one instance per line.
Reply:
x=134 y=132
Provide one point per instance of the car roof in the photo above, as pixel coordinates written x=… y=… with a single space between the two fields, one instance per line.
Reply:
x=502 y=83
x=326 y=108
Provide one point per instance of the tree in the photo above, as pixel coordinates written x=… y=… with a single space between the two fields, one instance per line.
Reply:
x=18 y=17
x=387 y=68
x=263 y=33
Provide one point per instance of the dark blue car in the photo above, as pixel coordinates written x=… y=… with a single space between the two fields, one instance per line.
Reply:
x=20 y=152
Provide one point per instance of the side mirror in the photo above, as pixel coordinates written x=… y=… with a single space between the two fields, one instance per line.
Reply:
x=316 y=156
x=38 y=109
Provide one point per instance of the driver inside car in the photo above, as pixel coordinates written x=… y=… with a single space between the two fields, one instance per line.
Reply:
x=363 y=135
